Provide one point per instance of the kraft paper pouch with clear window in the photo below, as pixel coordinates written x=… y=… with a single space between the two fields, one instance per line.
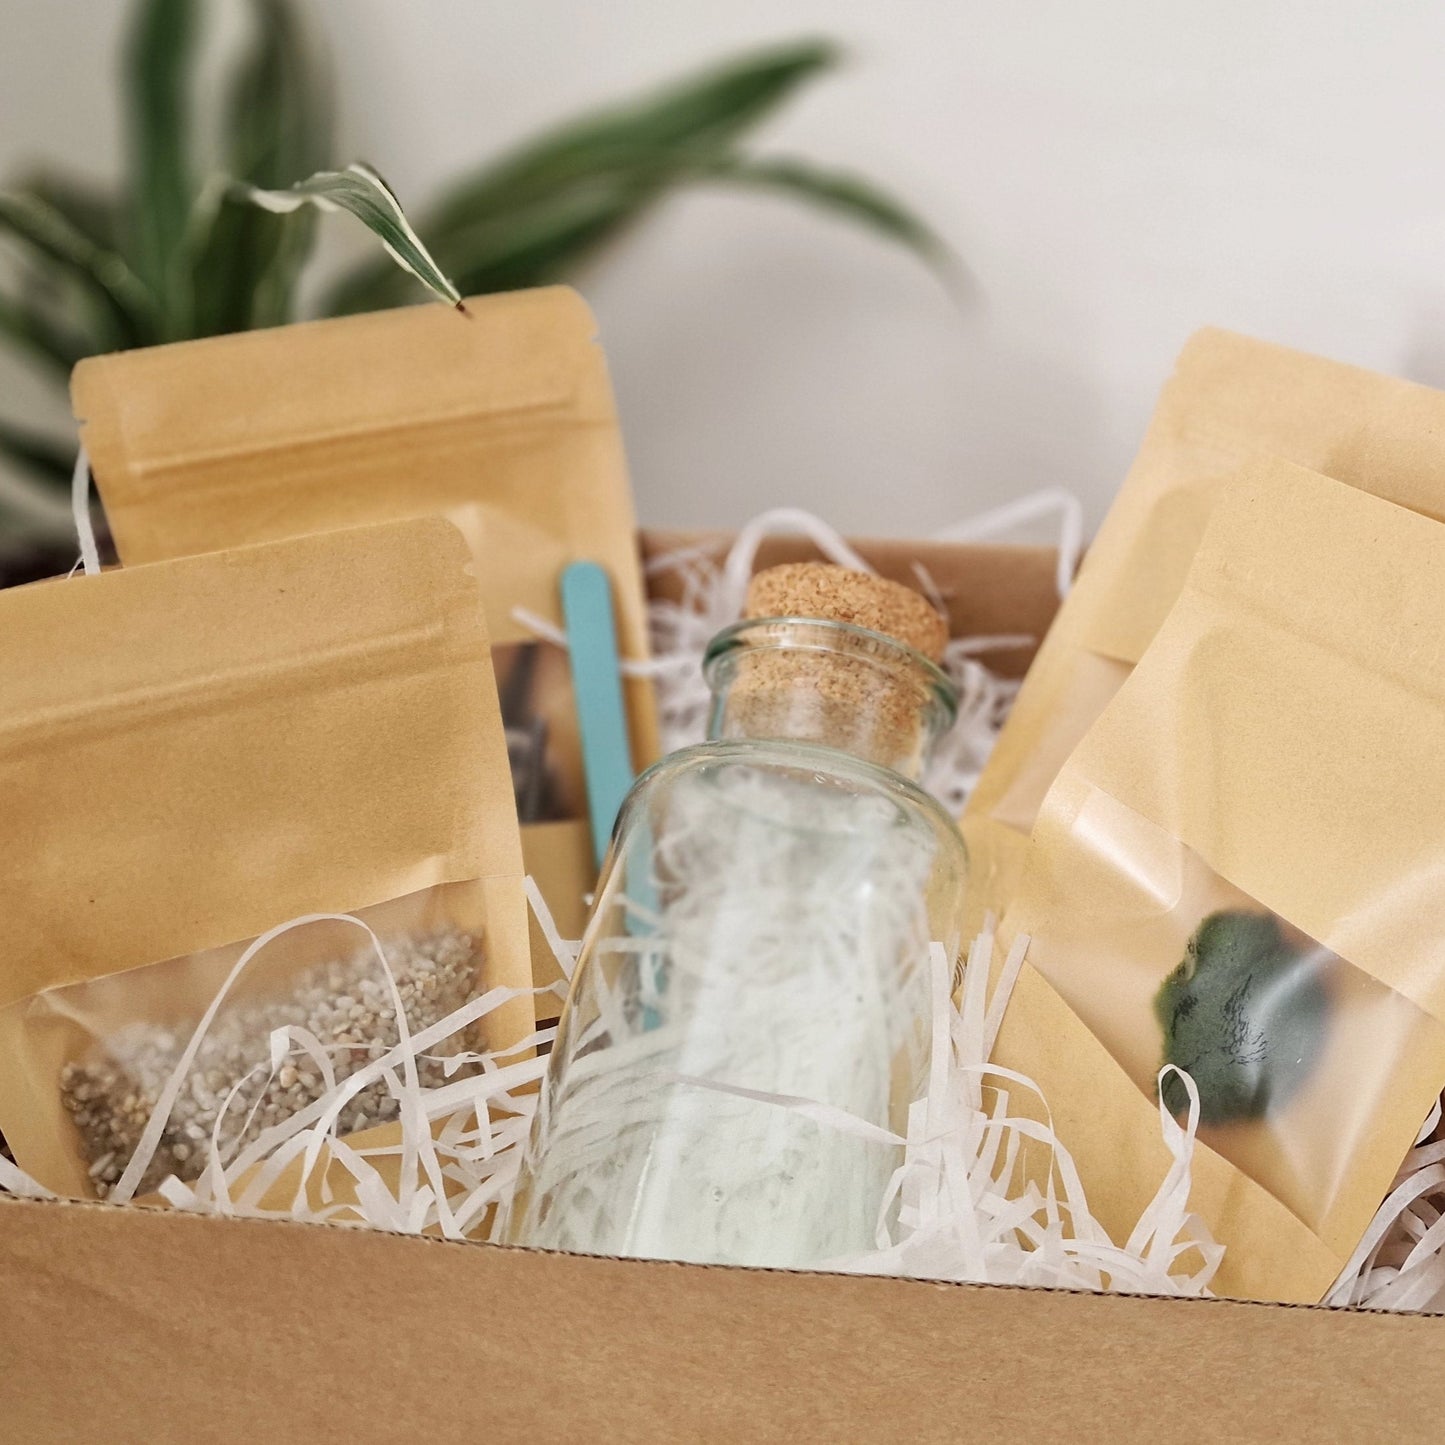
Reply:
x=502 y=420
x=1229 y=400
x=1239 y=871
x=195 y=752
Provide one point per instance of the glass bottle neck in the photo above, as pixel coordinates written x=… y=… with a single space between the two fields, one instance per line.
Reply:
x=828 y=683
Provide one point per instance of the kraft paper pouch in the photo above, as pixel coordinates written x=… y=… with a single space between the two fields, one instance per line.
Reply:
x=1229 y=400
x=195 y=752
x=502 y=420
x=1239 y=871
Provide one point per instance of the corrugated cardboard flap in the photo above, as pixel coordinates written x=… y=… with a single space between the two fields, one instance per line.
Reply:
x=151 y=1325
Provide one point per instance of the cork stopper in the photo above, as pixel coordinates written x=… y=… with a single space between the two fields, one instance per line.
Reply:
x=805 y=680
x=836 y=594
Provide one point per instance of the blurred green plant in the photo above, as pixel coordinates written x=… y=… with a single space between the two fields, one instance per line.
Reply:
x=184 y=249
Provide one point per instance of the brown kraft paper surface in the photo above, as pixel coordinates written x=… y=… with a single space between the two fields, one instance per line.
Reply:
x=1285 y=727
x=1229 y=399
x=196 y=751
x=503 y=420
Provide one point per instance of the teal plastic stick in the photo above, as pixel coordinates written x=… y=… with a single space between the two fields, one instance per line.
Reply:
x=597 y=687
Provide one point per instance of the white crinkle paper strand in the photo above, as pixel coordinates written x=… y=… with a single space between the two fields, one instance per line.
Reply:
x=459 y=1142
x=713 y=592
x=788 y=959
x=959 y=1217
x=964 y=1216
x=1400 y=1262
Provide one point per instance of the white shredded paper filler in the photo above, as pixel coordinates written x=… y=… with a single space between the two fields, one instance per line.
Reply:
x=961 y=1215
x=713 y=592
x=1400 y=1262
x=962 y=1211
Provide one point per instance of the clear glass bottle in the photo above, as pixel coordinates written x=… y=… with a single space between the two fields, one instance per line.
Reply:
x=762 y=926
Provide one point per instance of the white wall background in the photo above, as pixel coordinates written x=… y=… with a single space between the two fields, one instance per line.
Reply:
x=1114 y=174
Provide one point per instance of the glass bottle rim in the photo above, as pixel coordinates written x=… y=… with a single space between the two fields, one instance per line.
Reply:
x=827 y=635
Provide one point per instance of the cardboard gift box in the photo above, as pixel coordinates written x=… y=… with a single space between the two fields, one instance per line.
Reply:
x=139 y=1325
x=143 y=1324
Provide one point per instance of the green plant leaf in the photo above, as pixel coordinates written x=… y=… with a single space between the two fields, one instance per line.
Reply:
x=49 y=304
x=247 y=270
x=28 y=329
x=278 y=130
x=850 y=196
x=704 y=114
x=46 y=236
x=39 y=455
x=162 y=186
x=529 y=246
x=573 y=188
x=278 y=121
x=547 y=239
x=543 y=242
x=361 y=191
x=90 y=209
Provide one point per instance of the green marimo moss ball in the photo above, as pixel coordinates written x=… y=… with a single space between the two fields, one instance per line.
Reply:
x=1243 y=1015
